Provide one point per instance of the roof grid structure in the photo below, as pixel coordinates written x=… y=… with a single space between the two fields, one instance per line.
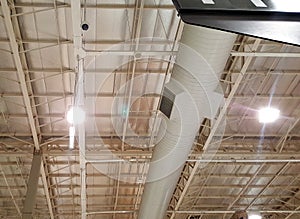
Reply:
x=255 y=166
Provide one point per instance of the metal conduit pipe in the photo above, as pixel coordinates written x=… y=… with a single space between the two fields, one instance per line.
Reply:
x=200 y=61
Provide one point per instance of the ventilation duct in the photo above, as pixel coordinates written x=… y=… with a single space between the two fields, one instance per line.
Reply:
x=189 y=97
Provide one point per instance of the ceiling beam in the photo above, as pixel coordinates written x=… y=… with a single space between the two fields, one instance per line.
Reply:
x=142 y=161
x=71 y=94
x=222 y=175
x=29 y=107
x=92 y=42
x=226 y=155
x=284 y=138
x=133 y=115
x=191 y=212
x=143 y=135
x=267 y=54
x=131 y=196
x=172 y=53
x=140 y=53
x=79 y=97
x=148 y=71
x=95 y=6
x=108 y=95
x=134 y=186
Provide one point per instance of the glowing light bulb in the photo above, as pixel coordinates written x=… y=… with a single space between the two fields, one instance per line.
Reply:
x=75 y=115
x=268 y=115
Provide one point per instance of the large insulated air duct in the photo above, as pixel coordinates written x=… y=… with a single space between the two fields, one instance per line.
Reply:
x=189 y=97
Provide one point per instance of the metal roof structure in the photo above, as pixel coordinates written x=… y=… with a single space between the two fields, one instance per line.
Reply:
x=129 y=50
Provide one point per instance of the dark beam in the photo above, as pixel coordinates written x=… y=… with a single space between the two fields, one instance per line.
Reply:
x=32 y=186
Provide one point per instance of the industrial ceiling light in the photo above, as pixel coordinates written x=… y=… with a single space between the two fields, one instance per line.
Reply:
x=71 y=137
x=75 y=115
x=268 y=115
